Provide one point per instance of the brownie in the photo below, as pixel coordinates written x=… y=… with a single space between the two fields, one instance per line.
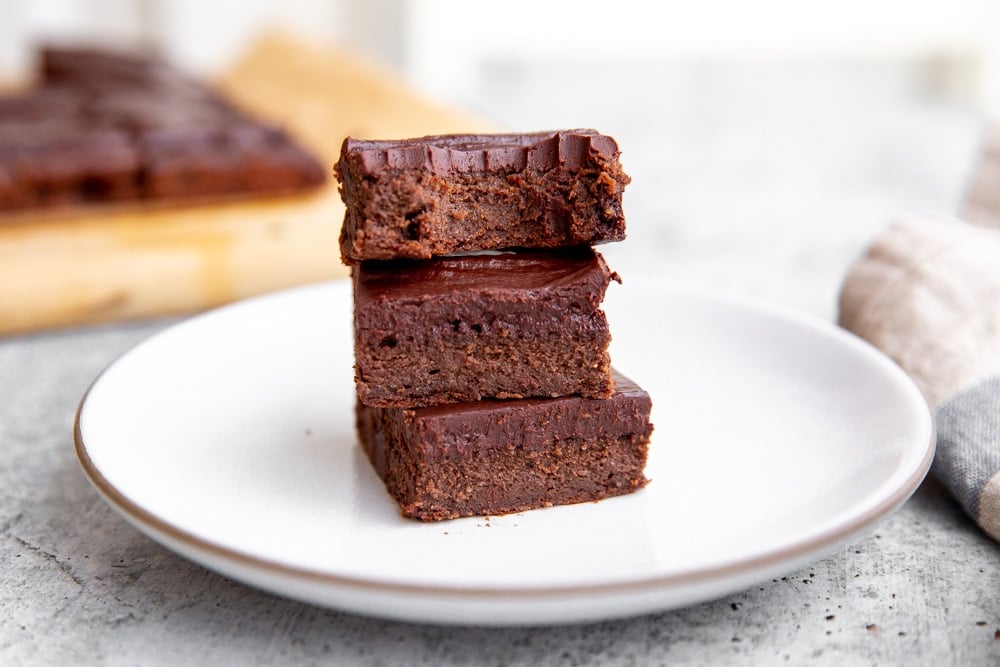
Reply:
x=105 y=126
x=495 y=325
x=496 y=457
x=192 y=161
x=419 y=198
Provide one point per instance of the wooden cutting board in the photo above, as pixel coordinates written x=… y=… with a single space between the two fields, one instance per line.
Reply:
x=104 y=264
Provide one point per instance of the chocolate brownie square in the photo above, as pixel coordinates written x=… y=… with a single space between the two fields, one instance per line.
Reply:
x=463 y=328
x=496 y=457
x=418 y=198
x=223 y=159
x=52 y=163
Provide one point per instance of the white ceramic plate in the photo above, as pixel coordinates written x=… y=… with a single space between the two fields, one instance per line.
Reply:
x=229 y=438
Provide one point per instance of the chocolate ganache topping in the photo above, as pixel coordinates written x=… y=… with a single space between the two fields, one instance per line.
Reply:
x=447 y=154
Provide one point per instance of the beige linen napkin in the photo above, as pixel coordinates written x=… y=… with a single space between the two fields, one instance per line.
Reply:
x=982 y=198
x=927 y=293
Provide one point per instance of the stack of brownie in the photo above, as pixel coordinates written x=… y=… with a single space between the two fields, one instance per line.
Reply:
x=483 y=378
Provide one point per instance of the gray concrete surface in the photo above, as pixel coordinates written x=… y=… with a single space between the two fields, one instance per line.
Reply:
x=761 y=179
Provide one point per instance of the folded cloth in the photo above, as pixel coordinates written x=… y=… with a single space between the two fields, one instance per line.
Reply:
x=927 y=293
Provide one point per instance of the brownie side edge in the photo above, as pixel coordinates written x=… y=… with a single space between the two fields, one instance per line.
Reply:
x=497 y=457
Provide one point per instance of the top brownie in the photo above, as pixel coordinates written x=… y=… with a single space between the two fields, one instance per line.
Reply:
x=420 y=198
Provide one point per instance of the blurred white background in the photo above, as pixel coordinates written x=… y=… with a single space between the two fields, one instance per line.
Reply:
x=768 y=141
x=444 y=45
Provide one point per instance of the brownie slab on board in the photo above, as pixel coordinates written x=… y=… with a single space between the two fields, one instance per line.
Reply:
x=418 y=198
x=105 y=127
x=496 y=457
x=467 y=327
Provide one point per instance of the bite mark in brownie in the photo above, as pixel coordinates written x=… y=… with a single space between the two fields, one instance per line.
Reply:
x=497 y=457
x=463 y=328
x=418 y=198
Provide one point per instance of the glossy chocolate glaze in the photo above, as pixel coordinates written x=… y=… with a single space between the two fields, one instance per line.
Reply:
x=447 y=154
x=493 y=272
x=458 y=429
x=624 y=388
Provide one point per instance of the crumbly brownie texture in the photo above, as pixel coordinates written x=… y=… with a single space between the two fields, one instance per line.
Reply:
x=497 y=457
x=504 y=325
x=109 y=127
x=419 y=198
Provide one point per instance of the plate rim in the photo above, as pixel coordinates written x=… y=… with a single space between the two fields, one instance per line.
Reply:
x=817 y=544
